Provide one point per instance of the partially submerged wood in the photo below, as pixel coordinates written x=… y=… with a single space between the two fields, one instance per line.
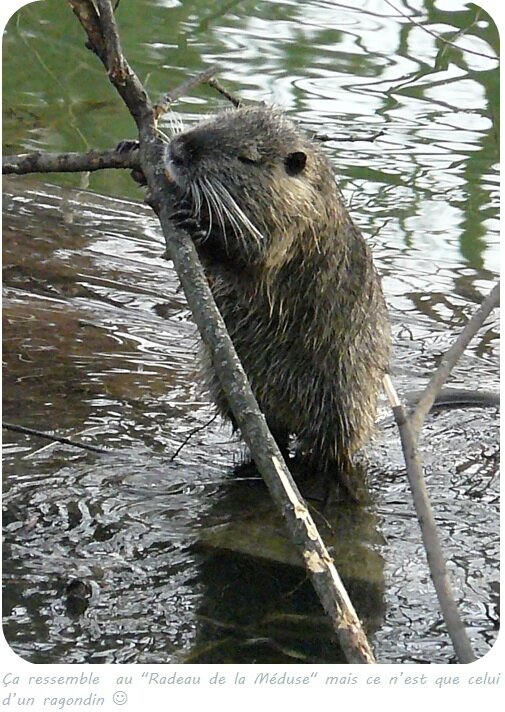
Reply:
x=104 y=40
x=409 y=427
x=436 y=559
x=258 y=531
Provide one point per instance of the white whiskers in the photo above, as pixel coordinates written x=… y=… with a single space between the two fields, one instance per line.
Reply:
x=223 y=210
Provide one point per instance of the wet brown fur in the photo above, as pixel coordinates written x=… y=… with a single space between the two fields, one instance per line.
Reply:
x=299 y=293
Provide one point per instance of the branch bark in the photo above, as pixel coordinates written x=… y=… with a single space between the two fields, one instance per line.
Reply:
x=429 y=532
x=264 y=450
x=40 y=162
x=409 y=427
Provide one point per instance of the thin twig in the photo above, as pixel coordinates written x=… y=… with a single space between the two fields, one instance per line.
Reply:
x=451 y=358
x=439 y=37
x=233 y=98
x=190 y=435
x=201 y=78
x=54 y=438
x=431 y=540
x=350 y=139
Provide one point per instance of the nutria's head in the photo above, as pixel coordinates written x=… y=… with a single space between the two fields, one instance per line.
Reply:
x=250 y=173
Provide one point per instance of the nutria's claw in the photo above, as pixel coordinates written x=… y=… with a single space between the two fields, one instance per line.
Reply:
x=187 y=221
x=127 y=145
x=139 y=177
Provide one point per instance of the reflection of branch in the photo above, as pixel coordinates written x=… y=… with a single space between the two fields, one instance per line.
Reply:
x=439 y=37
x=451 y=358
x=244 y=407
x=40 y=162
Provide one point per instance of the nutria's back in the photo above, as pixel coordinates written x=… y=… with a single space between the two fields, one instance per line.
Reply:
x=291 y=274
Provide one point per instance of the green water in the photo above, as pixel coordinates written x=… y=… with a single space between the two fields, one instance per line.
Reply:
x=432 y=175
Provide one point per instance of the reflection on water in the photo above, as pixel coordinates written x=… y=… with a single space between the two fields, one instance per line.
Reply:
x=185 y=539
x=133 y=556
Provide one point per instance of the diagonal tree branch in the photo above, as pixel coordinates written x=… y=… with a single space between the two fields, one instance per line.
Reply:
x=264 y=450
x=103 y=40
x=87 y=15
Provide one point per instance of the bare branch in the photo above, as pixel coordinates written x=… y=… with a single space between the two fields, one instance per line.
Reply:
x=409 y=428
x=102 y=28
x=202 y=78
x=116 y=64
x=40 y=162
x=431 y=540
x=263 y=447
x=328 y=137
x=233 y=98
x=264 y=450
x=86 y=13
x=54 y=438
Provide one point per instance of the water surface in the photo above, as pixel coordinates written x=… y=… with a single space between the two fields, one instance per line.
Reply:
x=99 y=345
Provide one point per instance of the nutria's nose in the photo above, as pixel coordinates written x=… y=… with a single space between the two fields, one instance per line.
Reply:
x=184 y=149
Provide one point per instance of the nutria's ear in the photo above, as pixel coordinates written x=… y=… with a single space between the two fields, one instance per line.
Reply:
x=295 y=162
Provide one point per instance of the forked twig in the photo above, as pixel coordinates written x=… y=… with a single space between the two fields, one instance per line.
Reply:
x=450 y=359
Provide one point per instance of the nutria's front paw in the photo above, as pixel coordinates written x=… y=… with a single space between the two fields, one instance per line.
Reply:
x=187 y=221
x=125 y=147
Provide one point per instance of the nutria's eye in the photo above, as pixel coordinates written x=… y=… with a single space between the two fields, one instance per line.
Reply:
x=249 y=153
x=247 y=159
x=295 y=162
